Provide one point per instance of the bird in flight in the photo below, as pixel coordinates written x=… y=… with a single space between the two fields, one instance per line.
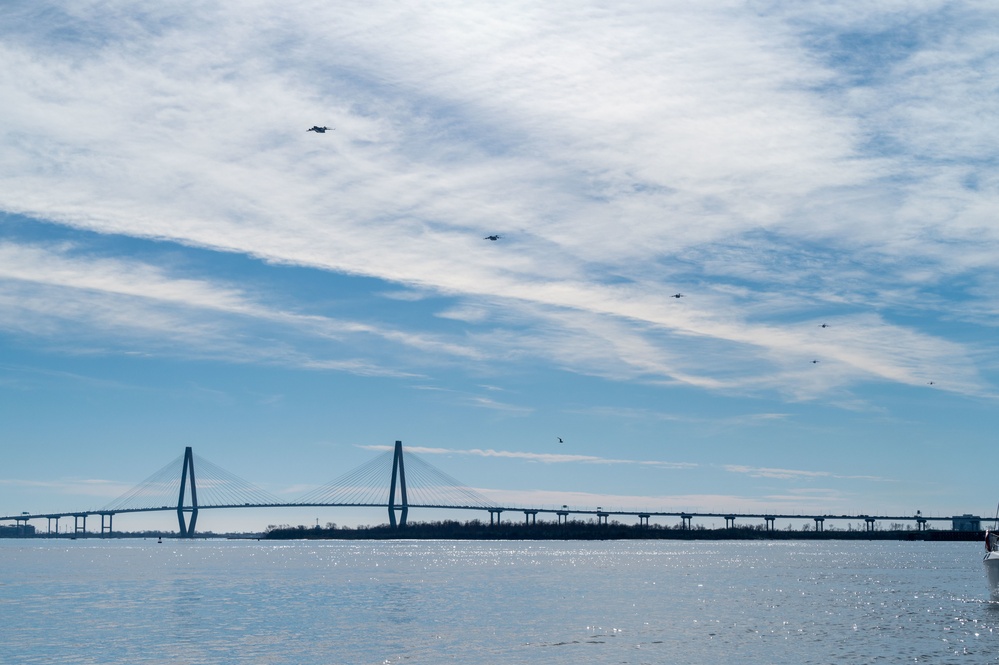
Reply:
x=930 y=383
x=560 y=439
x=677 y=295
x=493 y=237
x=823 y=325
x=319 y=130
x=814 y=361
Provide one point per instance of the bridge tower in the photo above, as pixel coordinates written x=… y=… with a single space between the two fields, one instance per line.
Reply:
x=187 y=530
x=398 y=471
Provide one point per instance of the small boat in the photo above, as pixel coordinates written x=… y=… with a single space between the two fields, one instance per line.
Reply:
x=991 y=562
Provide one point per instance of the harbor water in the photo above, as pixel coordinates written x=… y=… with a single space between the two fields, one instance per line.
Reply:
x=385 y=602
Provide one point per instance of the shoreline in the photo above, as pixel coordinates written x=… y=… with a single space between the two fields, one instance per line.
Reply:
x=582 y=531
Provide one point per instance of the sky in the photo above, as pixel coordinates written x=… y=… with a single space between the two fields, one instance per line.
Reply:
x=183 y=264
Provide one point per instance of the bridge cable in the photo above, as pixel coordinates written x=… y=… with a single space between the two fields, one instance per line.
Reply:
x=364 y=485
x=158 y=490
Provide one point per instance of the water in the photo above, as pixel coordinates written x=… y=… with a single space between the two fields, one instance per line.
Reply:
x=495 y=603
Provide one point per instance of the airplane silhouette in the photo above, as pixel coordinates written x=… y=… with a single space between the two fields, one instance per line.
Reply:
x=493 y=237
x=318 y=130
x=677 y=295
x=823 y=325
x=814 y=361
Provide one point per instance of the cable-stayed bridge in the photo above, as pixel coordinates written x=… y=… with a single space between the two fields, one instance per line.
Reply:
x=191 y=483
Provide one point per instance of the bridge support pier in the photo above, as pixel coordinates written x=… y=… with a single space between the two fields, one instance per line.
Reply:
x=21 y=523
x=685 y=520
x=820 y=524
x=77 y=527
x=643 y=519
x=530 y=517
x=563 y=516
x=106 y=528
x=56 y=518
x=494 y=512
x=921 y=524
x=730 y=521
x=602 y=518
x=870 y=523
x=770 y=523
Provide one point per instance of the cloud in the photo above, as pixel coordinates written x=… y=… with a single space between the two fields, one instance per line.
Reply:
x=736 y=154
x=794 y=474
x=546 y=458
x=631 y=413
x=487 y=403
x=77 y=487
x=58 y=292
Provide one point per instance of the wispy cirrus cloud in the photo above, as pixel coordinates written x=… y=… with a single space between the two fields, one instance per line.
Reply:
x=49 y=290
x=631 y=413
x=547 y=458
x=91 y=487
x=796 y=474
x=753 y=158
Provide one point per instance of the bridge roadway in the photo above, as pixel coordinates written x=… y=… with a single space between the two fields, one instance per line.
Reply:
x=240 y=495
x=530 y=515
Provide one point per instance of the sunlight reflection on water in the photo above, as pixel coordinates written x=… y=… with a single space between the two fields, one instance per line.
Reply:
x=94 y=601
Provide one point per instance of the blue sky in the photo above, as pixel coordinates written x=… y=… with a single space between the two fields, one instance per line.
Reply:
x=181 y=263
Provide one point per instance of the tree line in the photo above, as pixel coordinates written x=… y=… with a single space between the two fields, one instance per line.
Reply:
x=588 y=530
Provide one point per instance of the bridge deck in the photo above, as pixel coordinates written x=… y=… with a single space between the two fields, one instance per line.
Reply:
x=498 y=509
x=363 y=487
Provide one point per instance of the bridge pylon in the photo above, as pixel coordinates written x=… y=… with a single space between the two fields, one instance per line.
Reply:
x=398 y=471
x=187 y=530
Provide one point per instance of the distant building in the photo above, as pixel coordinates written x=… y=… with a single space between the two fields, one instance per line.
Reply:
x=966 y=523
x=19 y=531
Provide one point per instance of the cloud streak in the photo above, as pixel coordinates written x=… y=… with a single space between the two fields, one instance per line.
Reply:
x=634 y=152
x=794 y=474
x=546 y=458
